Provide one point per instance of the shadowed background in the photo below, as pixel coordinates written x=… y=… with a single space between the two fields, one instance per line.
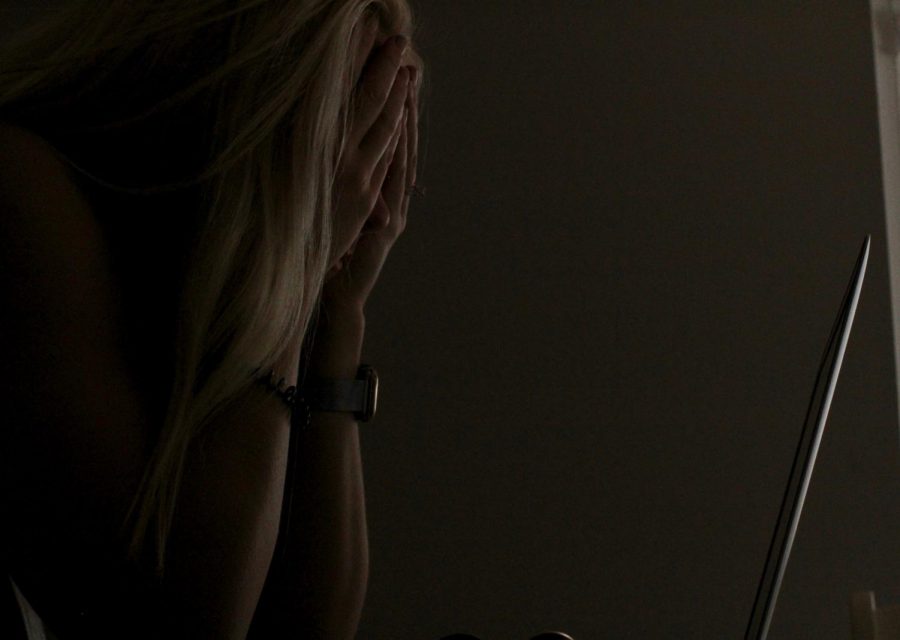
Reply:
x=599 y=333
x=598 y=336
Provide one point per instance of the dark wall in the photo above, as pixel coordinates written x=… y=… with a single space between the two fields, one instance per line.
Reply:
x=600 y=331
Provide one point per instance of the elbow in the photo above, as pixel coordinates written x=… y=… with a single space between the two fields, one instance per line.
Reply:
x=349 y=595
x=353 y=595
x=333 y=609
x=362 y=580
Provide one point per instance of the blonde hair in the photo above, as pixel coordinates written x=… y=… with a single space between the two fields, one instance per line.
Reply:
x=274 y=79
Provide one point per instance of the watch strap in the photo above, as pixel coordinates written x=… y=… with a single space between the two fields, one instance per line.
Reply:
x=357 y=396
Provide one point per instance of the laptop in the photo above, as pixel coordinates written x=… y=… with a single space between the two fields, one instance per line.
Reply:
x=805 y=456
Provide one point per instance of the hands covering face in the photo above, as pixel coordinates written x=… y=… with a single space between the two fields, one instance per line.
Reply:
x=378 y=165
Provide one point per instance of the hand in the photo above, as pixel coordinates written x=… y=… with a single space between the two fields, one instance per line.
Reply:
x=378 y=164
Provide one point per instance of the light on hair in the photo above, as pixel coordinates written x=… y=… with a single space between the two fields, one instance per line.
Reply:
x=268 y=86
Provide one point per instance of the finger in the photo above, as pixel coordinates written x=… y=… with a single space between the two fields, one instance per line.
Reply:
x=382 y=213
x=375 y=87
x=403 y=198
x=395 y=184
x=384 y=164
x=413 y=132
x=377 y=142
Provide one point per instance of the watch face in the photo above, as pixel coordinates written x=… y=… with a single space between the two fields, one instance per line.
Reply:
x=374 y=392
x=369 y=374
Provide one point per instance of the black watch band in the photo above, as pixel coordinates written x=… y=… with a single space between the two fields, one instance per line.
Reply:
x=359 y=396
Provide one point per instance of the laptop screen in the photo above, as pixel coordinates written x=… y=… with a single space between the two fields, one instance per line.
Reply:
x=805 y=455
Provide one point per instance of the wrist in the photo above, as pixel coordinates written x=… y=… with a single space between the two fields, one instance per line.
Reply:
x=344 y=316
x=336 y=348
x=341 y=313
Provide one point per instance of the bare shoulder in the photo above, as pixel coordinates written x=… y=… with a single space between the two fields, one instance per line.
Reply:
x=44 y=216
x=31 y=171
x=21 y=148
x=72 y=412
x=55 y=278
x=16 y=138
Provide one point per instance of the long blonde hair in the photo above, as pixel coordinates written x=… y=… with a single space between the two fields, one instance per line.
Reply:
x=274 y=81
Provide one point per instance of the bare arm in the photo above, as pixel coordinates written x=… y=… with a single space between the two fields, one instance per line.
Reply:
x=78 y=430
x=318 y=588
x=317 y=591
x=227 y=518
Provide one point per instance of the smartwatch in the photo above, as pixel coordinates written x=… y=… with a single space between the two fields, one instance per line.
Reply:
x=358 y=396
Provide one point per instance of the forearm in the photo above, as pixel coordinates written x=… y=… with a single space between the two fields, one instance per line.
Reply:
x=226 y=525
x=316 y=590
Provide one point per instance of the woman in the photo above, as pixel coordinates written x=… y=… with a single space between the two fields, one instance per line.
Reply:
x=193 y=193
